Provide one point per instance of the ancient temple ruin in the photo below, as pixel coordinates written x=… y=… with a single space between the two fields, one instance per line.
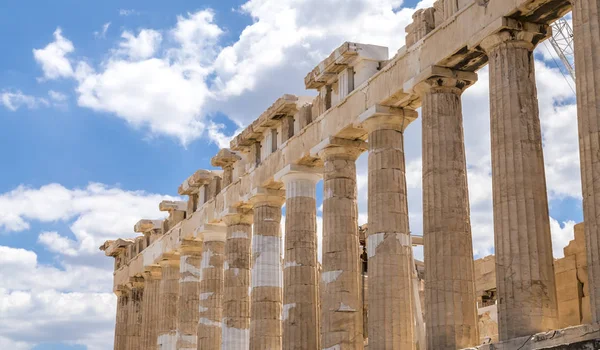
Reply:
x=213 y=274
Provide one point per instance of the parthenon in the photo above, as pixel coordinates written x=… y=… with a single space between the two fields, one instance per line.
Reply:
x=218 y=273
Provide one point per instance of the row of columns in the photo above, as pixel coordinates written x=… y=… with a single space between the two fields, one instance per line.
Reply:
x=277 y=305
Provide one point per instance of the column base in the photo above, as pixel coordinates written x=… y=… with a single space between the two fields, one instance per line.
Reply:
x=584 y=337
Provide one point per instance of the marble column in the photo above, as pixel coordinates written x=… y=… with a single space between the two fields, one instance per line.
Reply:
x=190 y=255
x=211 y=288
x=341 y=304
x=152 y=277
x=167 y=308
x=267 y=279
x=524 y=264
x=391 y=317
x=300 y=318
x=121 y=323
x=451 y=318
x=134 y=313
x=236 y=296
x=586 y=31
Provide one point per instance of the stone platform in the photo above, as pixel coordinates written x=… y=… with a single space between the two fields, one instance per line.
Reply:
x=584 y=337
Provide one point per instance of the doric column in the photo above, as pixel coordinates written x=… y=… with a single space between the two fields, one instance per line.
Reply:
x=391 y=318
x=586 y=23
x=236 y=296
x=341 y=304
x=190 y=255
x=152 y=277
x=167 y=308
x=450 y=283
x=211 y=287
x=121 y=324
x=523 y=246
x=266 y=294
x=300 y=284
x=134 y=313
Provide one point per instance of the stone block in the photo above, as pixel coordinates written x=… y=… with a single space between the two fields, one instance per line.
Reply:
x=569 y=313
x=567 y=285
x=586 y=311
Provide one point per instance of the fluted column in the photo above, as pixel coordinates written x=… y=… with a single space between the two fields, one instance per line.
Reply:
x=134 y=313
x=190 y=255
x=266 y=294
x=211 y=288
x=167 y=308
x=391 y=317
x=586 y=31
x=523 y=246
x=152 y=277
x=121 y=322
x=300 y=285
x=451 y=317
x=341 y=304
x=236 y=297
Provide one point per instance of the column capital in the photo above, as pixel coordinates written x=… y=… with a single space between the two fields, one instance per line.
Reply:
x=152 y=272
x=517 y=34
x=169 y=260
x=225 y=158
x=237 y=216
x=136 y=282
x=438 y=79
x=293 y=171
x=146 y=226
x=261 y=196
x=379 y=117
x=335 y=147
x=191 y=247
x=121 y=290
x=170 y=206
x=193 y=183
x=212 y=233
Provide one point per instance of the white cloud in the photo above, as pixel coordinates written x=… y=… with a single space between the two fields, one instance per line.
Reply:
x=57 y=243
x=53 y=58
x=102 y=34
x=128 y=12
x=172 y=87
x=561 y=236
x=70 y=301
x=31 y=317
x=13 y=100
x=58 y=97
x=94 y=214
x=42 y=303
x=142 y=46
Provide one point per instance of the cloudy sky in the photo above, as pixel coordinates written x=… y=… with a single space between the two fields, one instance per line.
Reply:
x=107 y=106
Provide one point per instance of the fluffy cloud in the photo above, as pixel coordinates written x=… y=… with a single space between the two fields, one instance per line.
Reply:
x=142 y=46
x=171 y=82
x=72 y=304
x=94 y=214
x=13 y=100
x=71 y=299
x=53 y=58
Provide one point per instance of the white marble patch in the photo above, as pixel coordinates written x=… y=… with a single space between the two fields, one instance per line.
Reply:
x=286 y=310
x=330 y=276
x=235 y=339
x=266 y=270
x=373 y=241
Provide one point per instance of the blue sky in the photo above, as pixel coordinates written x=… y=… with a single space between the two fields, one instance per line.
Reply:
x=107 y=106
